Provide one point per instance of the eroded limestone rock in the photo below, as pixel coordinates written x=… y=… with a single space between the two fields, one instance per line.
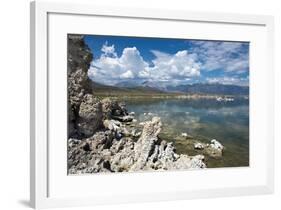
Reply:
x=90 y=115
x=215 y=149
x=199 y=146
x=103 y=152
x=78 y=62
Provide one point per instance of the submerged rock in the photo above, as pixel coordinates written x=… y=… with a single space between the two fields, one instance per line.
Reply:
x=216 y=145
x=199 y=146
x=215 y=149
x=186 y=135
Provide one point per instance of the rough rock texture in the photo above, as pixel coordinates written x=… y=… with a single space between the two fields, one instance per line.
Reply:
x=158 y=154
x=106 y=108
x=198 y=145
x=78 y=62
x=145 y=147
x=213 y=149
x=115 y=110
x=89 y=115
x=103 y=152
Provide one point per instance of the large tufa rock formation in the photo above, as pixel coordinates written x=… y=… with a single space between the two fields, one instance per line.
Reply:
x=78 y=63
x=89 y=115
x=145 y=147
x=103 y=152
x=154 y=153
x=84 y=111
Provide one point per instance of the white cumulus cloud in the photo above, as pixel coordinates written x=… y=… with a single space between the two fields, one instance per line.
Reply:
x=127 y=75
x=181 y=65
x=110 y=69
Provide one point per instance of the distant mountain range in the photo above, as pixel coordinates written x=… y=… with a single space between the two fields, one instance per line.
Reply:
x=214 y=88
x=153 y=87
x=101 y=89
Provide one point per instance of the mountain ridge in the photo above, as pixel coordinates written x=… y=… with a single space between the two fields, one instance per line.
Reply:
x=197 y=88
x=210 y=88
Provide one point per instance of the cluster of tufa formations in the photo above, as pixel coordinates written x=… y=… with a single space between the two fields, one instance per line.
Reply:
x=104 y=137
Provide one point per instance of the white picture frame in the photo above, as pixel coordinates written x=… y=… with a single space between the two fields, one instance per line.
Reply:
x=39 y=105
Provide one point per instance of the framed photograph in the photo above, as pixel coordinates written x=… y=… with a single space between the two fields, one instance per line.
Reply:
x=132 y=105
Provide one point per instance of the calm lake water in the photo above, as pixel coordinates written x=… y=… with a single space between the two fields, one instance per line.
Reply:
x=203 y=119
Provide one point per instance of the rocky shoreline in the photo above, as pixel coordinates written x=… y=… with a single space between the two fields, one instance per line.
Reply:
x=104 y=137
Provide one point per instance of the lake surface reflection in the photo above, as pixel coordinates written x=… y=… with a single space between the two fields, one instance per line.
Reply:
x=203 y=119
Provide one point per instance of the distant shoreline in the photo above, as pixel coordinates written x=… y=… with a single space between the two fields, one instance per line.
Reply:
x=167 y=96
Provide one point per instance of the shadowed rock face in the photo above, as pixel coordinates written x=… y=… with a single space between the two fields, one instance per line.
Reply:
x=103 y=136
x=78 y=62
x=86 y=112
x=90 y=115
x=79 y=54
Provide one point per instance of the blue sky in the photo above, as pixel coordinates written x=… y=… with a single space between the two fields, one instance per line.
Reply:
x=167 y=61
